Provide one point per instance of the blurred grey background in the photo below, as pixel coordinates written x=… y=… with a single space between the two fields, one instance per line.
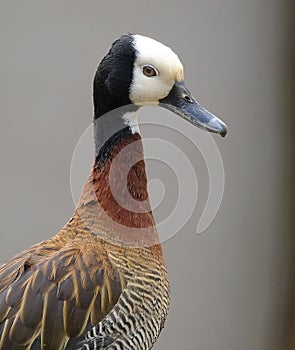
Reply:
x=231 y=286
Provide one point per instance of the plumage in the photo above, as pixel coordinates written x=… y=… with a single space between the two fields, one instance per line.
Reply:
x=101 y=282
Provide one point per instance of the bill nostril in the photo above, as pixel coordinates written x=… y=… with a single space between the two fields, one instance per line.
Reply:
x=187 y=98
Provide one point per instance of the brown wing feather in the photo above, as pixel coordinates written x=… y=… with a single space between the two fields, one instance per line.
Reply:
x=46 y=291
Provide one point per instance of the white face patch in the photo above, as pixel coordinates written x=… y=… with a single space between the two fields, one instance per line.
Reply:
x=145 y=90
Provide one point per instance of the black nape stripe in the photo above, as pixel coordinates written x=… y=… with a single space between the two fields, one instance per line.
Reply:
x=107 y=148
x=114 y=76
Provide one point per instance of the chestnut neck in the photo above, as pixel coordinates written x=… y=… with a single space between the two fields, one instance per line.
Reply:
x=115 y=197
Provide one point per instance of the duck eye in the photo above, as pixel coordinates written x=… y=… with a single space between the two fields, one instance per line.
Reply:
x=149 y=71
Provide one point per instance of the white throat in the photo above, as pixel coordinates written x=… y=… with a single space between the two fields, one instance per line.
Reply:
x=130 y=119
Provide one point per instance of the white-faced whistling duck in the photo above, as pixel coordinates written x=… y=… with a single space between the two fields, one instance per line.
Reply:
x=101 y=281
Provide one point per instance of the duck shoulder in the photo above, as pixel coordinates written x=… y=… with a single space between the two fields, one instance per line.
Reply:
x=56 y=287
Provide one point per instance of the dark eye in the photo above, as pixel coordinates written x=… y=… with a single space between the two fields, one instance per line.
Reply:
x=149 y=71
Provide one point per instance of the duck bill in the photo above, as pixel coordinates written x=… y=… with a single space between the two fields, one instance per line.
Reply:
x=181 y=102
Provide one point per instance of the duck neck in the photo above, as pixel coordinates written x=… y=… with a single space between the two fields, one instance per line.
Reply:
x=108 y=128
x=115 y=196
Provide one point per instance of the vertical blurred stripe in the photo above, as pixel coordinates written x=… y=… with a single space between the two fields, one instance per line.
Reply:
x=290 y=92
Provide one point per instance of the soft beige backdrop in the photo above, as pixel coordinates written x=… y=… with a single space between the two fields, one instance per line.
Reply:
x=231 y=285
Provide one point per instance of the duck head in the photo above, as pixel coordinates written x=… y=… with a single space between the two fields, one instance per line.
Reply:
x=139 y=71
